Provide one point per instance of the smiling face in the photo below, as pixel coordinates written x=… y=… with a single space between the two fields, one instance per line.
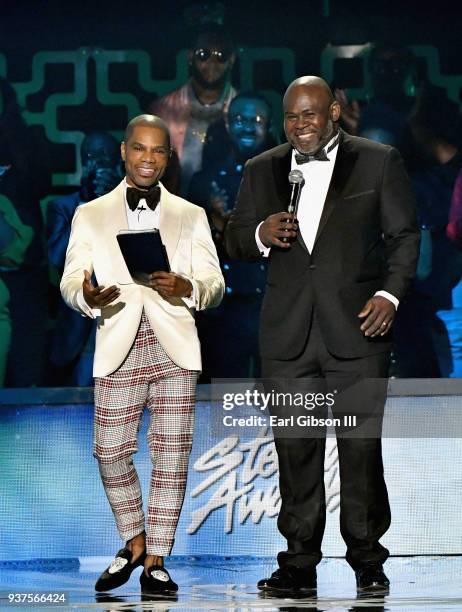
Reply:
x=248 y=122
x=309 y=117
x=146 y=154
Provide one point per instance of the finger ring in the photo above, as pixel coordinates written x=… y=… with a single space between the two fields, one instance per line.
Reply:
x=384 y=324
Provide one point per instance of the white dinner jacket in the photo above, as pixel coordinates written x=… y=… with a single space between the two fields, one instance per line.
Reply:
x=93 y=246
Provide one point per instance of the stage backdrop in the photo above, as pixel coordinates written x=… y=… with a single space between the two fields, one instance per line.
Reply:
x=52 y=504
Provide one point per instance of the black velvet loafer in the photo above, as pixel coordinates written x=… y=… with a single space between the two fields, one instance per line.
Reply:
x=119 y=571
x=290 y=579
x=371 y=578
x=157 y=582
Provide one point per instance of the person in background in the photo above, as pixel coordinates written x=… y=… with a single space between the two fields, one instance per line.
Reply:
x=73 y=340
x=25 y=179
x=453 y=318
x=203 y=99
x=15 y=237
x=384 y=116
x=229 y=333
x=425 y=321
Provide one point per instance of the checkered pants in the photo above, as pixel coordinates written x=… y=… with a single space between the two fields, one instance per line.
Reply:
x=147 y=377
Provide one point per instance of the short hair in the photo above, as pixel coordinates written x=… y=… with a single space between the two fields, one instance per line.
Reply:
x=214 y=35
x=248 y=94
x=146 y=120
x=382 y=51
x=108 y=139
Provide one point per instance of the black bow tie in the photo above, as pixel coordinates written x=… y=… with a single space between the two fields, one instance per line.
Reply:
x=134 y=195
x=300 y=158
x=321 y=155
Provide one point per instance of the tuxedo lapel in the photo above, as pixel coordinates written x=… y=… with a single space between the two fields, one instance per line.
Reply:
x=170 y=222
x=114 y=220
x=344 y=164
x=281 y=169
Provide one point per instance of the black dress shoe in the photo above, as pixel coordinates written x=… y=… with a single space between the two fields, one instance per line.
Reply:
x=119 y=571
x=157 y=582
x=372 y=578
x=290 y=579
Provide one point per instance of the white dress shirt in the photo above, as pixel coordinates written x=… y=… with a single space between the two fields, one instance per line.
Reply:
x=142 y=218
x=317 y=175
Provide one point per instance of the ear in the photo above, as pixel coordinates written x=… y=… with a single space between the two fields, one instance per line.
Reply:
x=190 y=56
x=232 y=59
x=335 y=111
x=122 y=150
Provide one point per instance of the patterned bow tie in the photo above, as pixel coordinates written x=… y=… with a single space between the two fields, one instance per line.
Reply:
x=134 y=195
x=321 y=155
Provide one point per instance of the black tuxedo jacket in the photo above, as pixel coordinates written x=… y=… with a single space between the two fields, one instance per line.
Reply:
x=367 y=240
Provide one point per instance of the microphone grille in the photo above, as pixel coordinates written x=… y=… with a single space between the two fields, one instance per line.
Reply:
x=295 y=177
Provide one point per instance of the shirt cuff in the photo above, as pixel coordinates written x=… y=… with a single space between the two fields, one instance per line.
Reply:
x=191 y=300
x=264 y=250
x=85 y=308
x=389 y=297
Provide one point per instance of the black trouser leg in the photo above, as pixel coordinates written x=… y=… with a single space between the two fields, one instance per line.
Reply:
x=364 y=508
x=302 y=517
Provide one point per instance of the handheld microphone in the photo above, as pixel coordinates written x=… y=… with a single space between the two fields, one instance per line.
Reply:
x=297 y=181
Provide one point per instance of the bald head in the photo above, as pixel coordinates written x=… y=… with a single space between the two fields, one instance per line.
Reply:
x=146 y=121
x=311 y=82
x=145 y=151
x=310 y=114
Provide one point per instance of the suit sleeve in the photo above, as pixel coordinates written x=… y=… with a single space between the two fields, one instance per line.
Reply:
x=206 y=272
x=399 y=225
x=58 y=230
x=240 y=229
x=78 y=258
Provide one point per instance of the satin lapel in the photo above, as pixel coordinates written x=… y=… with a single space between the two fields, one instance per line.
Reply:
x=115 y=219
x=281 y=169
x=170 y=222
x=344 y=164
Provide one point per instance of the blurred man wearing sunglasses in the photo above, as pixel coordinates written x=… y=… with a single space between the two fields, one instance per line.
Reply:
x=203 y=99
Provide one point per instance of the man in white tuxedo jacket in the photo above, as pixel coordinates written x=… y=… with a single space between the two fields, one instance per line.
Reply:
x=147 y=348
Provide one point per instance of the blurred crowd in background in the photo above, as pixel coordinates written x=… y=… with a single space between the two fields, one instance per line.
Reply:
x=215 y=129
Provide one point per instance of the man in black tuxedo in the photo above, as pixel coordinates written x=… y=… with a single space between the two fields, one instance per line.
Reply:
x=331 y=298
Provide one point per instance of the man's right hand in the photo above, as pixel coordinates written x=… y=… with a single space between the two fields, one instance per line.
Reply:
x=98 y=297
x=278 y=226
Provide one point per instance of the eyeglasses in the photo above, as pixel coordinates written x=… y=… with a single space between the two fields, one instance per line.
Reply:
x=204 y=54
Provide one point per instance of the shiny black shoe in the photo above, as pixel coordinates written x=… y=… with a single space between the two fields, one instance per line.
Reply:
x=290 y=579
x=157 y=582
x=119 y=571
x=371 y=578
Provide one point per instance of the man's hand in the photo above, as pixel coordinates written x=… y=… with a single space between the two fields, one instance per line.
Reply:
x=351 y=111
x=277 y=226
x=219 y=204
x=169 y=284
x=379 y=313
x=98 y=297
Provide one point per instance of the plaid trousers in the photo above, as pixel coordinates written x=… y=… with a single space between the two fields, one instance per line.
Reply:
x=147 y=377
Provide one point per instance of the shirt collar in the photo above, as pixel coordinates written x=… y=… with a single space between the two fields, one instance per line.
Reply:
x=330 y=152
x=125 y=184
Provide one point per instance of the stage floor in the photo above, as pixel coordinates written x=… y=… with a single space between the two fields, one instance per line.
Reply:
x=208 y=583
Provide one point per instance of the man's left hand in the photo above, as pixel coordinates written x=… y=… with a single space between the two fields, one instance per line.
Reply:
x=379 y=314
x=169 y=284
